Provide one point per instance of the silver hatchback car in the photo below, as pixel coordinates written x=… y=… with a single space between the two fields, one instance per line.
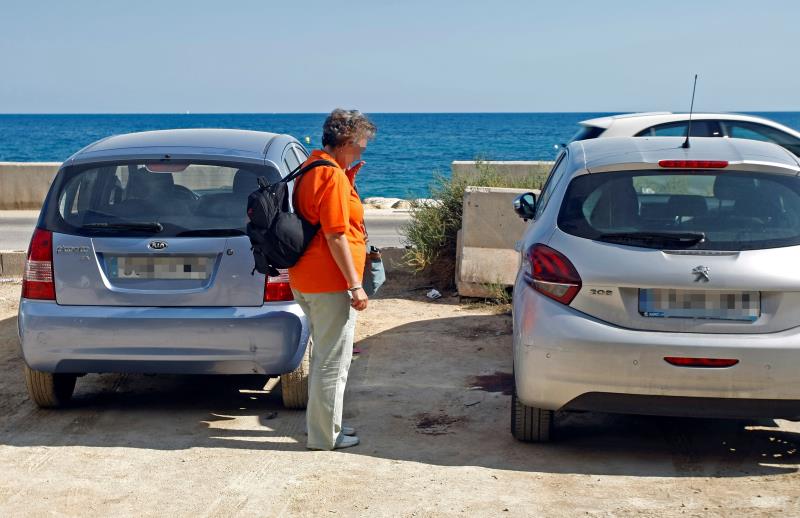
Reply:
x=657 y=279
x=140 y=264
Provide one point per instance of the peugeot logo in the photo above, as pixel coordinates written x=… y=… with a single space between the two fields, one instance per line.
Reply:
x=701 y=274
x=157 y=245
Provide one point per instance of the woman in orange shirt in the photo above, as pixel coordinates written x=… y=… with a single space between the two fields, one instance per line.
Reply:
x=327 y=280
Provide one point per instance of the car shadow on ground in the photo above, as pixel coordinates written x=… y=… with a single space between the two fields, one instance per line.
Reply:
x=413 y=395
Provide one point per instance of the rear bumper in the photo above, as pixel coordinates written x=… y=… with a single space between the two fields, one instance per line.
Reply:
x=270 y=339
x=728 y=408
x=564 y=359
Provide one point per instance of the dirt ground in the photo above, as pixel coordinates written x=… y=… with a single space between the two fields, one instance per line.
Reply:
x=429 y=397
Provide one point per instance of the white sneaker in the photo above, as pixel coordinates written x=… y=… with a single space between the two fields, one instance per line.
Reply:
x=343 y=441
x=346 y=441
x=346 y=430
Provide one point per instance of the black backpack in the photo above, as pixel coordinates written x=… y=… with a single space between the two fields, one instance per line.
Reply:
x=278 y=236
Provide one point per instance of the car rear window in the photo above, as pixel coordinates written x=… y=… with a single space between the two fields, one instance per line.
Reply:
x=707 y=210
x=134 y=199
x=587 y=132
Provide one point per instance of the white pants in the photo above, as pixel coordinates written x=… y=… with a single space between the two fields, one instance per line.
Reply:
x=332 y=323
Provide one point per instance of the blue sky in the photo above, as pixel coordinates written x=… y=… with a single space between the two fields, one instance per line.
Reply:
x=411 y=56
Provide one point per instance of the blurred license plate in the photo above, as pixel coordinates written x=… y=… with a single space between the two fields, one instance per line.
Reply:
x=717 y=305
x=159 y=267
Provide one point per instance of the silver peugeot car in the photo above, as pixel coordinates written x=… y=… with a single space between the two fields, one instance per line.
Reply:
x=659 y=279
x=140 y=264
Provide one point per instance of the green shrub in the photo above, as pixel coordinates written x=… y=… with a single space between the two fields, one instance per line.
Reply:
x=431 y=232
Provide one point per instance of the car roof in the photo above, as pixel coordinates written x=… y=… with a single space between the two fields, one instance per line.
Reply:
x=630 y=153
x=661 y=117
x=193 y=144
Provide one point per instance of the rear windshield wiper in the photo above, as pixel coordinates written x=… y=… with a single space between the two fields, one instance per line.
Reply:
x=211 y=232
x=654 y=239
x=150 y=226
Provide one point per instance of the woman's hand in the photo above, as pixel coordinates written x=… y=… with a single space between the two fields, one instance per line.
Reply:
x=353 y=171
x=359 y=299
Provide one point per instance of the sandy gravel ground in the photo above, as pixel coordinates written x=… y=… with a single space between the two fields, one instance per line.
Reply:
x=429 y=398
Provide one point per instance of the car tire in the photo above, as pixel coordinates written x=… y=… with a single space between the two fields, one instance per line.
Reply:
x=294 y=385
x=528 y=423
x=49 y=390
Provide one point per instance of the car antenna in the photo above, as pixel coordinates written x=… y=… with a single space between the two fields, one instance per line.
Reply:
x=685 y=144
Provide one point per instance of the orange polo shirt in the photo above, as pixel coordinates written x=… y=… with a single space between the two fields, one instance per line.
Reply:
x=325 y=195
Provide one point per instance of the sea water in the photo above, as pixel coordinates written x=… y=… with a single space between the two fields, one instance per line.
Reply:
x=408 y=150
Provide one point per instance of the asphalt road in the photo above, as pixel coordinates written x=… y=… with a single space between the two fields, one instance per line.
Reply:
x=16 y=227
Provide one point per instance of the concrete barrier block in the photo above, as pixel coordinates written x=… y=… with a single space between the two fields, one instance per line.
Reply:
x=489 y=265
x=24 y=185
x=12 y=264
x=489 y=220
x=486 y=246
x=481 y=270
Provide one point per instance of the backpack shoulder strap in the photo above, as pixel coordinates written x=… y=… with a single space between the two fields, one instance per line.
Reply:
x=301 y=170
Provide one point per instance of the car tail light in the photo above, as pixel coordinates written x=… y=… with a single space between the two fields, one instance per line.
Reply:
x=37 y=281
x=277 y=288
x=693 y=164
x=681 y=361
x=551 y=273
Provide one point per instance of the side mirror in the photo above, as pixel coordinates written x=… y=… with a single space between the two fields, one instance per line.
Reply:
x=525 y=205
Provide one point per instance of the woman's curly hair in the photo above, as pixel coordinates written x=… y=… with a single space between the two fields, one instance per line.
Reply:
x=345 y=127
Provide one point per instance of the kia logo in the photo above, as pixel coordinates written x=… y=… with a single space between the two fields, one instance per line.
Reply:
x=157 y=245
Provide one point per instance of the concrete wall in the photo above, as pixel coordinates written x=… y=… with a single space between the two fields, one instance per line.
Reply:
x=12 y=264
x=486 y=257
x=23 y=185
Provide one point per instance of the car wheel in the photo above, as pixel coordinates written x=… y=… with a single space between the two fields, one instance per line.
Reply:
x=49 y=390
x=528 y=423
x=294 y=385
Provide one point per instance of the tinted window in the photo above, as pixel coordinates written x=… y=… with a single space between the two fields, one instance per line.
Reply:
x=754 y=131
x=734 y=210
x=587 y=132
x=197 y=197
x=550 y=184
x=701 y=128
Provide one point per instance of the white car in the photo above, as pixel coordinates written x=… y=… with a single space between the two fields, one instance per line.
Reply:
x=666 y=124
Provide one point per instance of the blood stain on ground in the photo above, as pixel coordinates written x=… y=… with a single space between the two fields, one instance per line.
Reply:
x=436 y=424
